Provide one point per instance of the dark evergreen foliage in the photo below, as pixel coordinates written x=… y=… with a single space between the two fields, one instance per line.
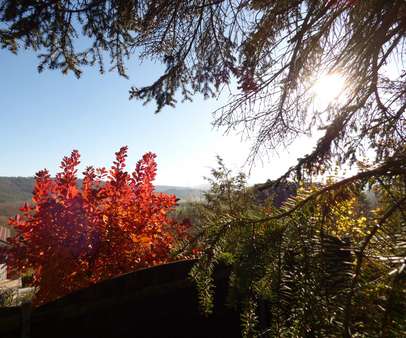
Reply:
x=324 y=264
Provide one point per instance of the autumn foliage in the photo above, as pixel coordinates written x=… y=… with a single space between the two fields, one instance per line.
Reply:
x=75 y=235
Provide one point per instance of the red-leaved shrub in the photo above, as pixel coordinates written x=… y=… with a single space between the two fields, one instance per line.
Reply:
x=74 y=235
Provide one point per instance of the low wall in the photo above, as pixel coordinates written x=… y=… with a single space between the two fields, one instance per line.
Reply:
x=156 y=302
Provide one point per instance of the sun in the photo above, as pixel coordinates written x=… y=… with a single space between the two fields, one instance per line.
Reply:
x=328 y=89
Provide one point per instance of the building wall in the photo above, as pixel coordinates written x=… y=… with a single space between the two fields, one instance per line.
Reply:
x=3 y=272
x=4 y=234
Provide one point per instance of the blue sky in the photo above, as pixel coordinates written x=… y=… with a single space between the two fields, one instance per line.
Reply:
x=43 y=116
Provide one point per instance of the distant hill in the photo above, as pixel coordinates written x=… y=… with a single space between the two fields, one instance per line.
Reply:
x=183 y=193
x=14 y=191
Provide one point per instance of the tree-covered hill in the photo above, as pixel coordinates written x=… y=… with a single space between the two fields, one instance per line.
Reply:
x=15 y=189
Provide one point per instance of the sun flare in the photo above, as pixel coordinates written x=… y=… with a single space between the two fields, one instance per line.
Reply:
x=328 y=89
